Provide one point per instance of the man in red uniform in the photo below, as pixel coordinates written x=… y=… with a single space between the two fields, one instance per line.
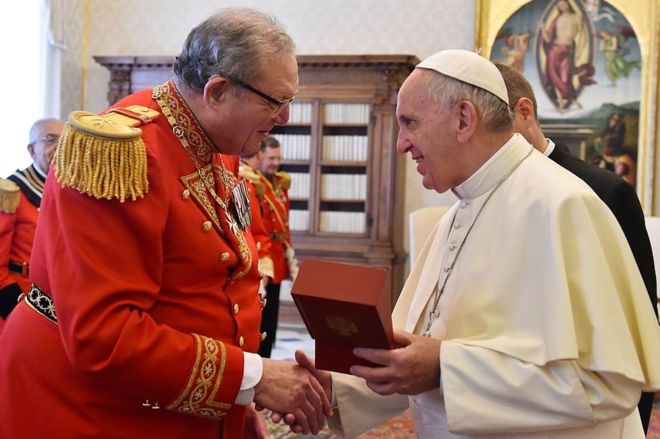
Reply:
x=272 y=191
x=20 y=198
x=144 y=313
x=249 y=171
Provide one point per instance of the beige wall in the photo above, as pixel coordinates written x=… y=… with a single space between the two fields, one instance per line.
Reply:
x=158 y=27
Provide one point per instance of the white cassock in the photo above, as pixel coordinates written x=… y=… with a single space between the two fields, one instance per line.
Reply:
x=545 y=322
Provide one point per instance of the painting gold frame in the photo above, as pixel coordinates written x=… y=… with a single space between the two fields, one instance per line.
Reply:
x=644 y=16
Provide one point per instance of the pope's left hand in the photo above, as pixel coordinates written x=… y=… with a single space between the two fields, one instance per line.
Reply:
x=413 y=367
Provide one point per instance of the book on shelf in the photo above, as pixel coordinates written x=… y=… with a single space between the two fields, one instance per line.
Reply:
x=343 y=186
x=345 y=148
x=349 y=114
x=342 y=222
x=343 y=306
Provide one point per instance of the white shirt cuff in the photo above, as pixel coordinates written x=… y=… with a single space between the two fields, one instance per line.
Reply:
x=253 y=369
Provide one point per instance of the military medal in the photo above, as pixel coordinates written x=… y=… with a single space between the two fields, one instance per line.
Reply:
x=241 y=205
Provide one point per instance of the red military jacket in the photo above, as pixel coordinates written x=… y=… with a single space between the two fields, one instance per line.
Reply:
x=275 y=206
x=17 y=229
x=259 y=229
x=155 y=299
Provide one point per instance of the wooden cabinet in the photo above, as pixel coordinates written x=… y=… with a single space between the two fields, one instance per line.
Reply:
x=340 y=149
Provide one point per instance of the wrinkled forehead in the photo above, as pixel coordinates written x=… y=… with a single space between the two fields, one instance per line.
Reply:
x=45 y=128
x=279 y=72
x=416 y=87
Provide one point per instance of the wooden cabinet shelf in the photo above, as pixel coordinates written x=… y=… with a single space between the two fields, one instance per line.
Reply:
x=339 y=147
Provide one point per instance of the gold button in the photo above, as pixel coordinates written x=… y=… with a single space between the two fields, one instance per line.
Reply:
x=224 y=256
x=236 y=308
x=206 y=226
x=185 y=194
x=241 y=341
x=258 y=246
x=264 y=335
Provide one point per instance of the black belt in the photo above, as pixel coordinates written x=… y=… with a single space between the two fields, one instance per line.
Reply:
x=41 y=303
x=22 y=268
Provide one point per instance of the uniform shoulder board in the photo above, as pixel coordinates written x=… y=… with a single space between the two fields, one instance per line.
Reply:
x=10 y=196
x=284 y=179
x=251 y=176
x=103 y=155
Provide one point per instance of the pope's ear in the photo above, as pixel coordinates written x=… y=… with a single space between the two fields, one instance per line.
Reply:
x=215 y=90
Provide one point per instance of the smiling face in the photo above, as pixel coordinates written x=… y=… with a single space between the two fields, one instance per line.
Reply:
x=427 y=132
x=271 y=159
x=43 y=142
x=237 y=120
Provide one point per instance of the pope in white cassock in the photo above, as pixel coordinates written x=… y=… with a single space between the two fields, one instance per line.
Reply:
x=525 y=315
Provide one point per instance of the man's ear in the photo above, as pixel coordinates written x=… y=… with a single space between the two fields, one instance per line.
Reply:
x=468 y=119
x=30 y=149
x=215 y=90
x=525 y=108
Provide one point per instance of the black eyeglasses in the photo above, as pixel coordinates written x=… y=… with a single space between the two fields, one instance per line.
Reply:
x=279 y=105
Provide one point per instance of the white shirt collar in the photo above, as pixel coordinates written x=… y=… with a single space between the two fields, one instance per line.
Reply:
x=549 y=148
x=495 y=167
x=39 y=170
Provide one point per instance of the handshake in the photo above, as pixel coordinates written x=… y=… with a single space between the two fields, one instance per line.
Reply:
x=297 y=394
x=301 y=395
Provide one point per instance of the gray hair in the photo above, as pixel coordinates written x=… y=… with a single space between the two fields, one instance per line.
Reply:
x=230 y=43
x=495 y=113
x=34 y=129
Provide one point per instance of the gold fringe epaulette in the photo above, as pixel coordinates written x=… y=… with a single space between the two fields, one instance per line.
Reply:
x=10 y=196
x=103 y=155
x=250 y=175
x=284 y=179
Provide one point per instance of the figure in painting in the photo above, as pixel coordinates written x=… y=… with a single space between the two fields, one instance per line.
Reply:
x=616 y=64
x=565 y=43
x=515 y=50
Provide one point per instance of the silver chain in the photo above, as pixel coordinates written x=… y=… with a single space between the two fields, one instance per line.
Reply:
x=437 y=289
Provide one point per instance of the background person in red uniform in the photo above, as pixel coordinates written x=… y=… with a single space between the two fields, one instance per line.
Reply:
x=144 y=314
x=275 y=207
x=20 y=198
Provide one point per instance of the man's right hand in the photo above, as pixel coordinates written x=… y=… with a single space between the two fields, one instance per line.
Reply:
x=324 y=378
x=289 y=388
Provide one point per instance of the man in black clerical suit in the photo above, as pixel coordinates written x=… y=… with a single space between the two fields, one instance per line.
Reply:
x=619 y=196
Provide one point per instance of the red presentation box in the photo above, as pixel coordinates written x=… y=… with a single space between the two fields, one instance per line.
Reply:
x=343 y=306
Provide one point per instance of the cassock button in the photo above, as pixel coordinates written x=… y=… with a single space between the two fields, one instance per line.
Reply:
x=146 y=404
x=452 y=247
x=264 y=335
x=447 y=268
x=457 y=225
x=241 y=341
x=236 y=308
x=464 y=204
x=258 y=246
x=224 y=256
x=155 y=406
x=185 y=194
x=206 y=226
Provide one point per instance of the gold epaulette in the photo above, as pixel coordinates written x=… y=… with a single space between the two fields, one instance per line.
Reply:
x=10 y=196
x=284 y=179
x=250 y=175
x=103 y=155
